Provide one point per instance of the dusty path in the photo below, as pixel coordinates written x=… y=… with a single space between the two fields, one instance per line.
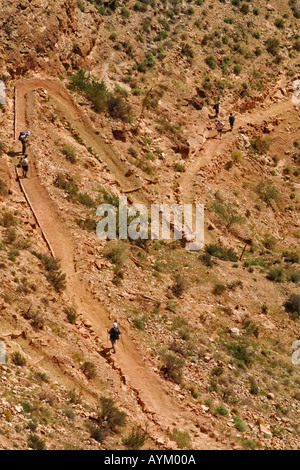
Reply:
x=212 y=145
x=150 y=389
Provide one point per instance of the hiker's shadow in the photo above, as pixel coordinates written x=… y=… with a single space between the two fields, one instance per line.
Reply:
x=105 y=352
x=14 y=154
x=214 y=116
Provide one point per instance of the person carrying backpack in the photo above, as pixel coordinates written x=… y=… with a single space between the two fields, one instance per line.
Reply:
x=24 y=165
x=114 y=334
x=219 y=127
x=217 y=108
x=23 y=137
x=231 y=120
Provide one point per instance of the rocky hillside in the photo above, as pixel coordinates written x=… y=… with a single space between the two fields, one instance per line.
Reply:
x=119 y=97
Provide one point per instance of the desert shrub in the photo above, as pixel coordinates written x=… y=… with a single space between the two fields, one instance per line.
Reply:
x=109 y=419
x=226 y=213
x=89 y=370
x=292 y=305
x=117 y=252
x=179 y=285
x=279 y=23
x=8 y=219
x=71 y=314
x=242 y=352
x=3 y=188
x=237 y=69
x=260 y=145
x=291 y=257
x=236 y=155
x=53 y=272
x=267 y=192
x=239 y=424
x=69 y=152
x=182 y=438
x=211 y=61
x=272 y=45
x=18 y=359
x=136 y=439
x=172 y=366
x=100 y=97
x=221 y=410
x=276 y=274
x=227 y=254
x=219 y=289
x=36 y=443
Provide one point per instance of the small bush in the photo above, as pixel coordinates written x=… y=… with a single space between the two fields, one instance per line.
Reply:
x=221 y=410
x=272 y=45
x=69 y=152
x=237 y=156
x=89 y=370
x=292 y=305
x=172 y=366
x=219 y=289
x=179 y=285
x=260 y=145
x=71 y=314
x=18 y=359
x=136 y=439
x=182 y=438
x=36 y=443
x=267 y=192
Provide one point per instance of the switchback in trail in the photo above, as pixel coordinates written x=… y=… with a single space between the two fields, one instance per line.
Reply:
x=151 y=391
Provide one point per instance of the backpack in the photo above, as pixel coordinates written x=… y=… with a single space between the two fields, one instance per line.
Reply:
x=22 y=136
x=115 y=333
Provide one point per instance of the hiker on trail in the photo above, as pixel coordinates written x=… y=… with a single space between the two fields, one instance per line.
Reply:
x=219 y=126
x=217 y=108
x=114 y=334
x=231 y=120
x=24 y=165
x=23 y=137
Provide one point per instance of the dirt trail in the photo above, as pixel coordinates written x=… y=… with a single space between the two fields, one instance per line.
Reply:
x=151 y=391
x=212 y=144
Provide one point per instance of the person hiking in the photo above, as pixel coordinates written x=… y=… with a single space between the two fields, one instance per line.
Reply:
x=217 y=108
x=24 y=165
x=231 y=120
x=114 y=334
x=23 y=137
x=219 y=126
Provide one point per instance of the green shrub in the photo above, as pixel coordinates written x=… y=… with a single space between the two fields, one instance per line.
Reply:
x=292 y=305
x=227 y=254
x=219 y=289
x=211 y=61
x=18 y=359
x=89 y=370
x=172 y=366
x=267 y=192
x=53 y=272
x=136 y=439
x=236 y=155
x=239 y=424
x=36 y=443
x=260 y=145
x=272 y=45
x=242 y=353
x=221 y=410
x=182 y=438
x=69 y=152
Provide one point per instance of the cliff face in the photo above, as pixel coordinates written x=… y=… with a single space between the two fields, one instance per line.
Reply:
x=45 y=35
